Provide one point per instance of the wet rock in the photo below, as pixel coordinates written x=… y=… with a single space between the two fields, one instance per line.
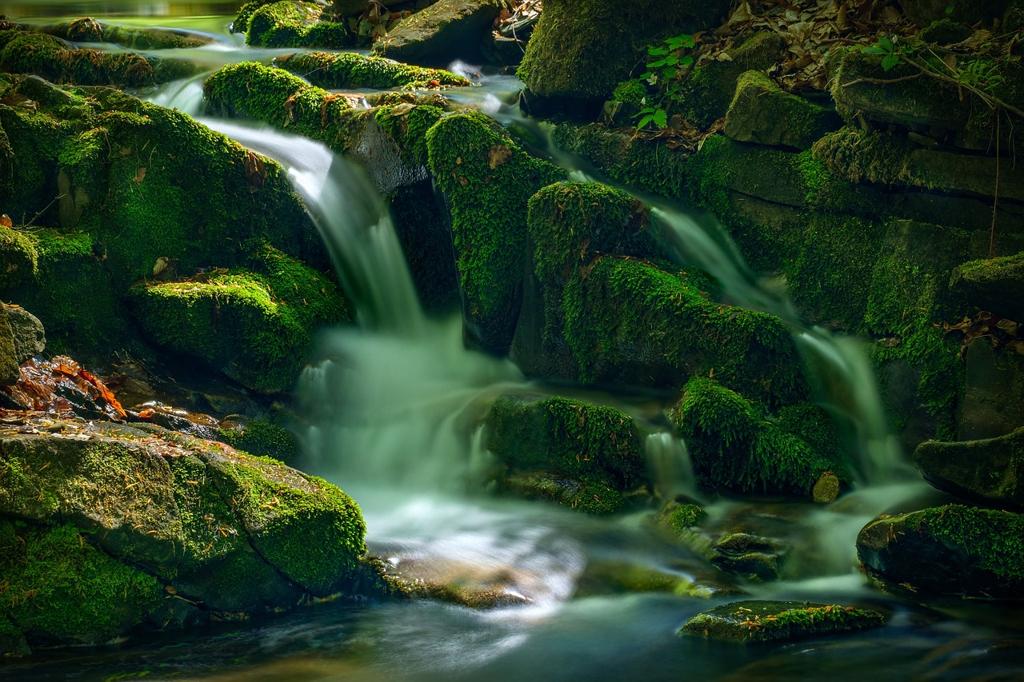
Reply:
x=994 y=284
x=441 y=33
x=945 y=31
x=736 y=446
x=579 y=51
x=29 y=335
x=751 y=557
x=473 y=585
x=172 y=518
x=590 y=495
x=951 y=550
x=64 y=389
x=990 y=470
x=762 y=113
x=566 y=436
x=777 y=621
x=487 y=180
x=292 y=23
x=348 y=71
x=256 y=326
x=604 y=577
x=182 y=421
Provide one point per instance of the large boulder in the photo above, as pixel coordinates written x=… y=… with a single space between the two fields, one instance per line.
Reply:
x=292 y=23
x=779 y=621
x=993 y=284
x=441 y=33
x=581 y=50
x=9 y=361
x=119 y=528
x=487 y=180
x=28 y=331
x=990 y=470
x=951 y=550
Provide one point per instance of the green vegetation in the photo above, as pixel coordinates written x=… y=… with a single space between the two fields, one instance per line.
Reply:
x=291 y=23
x=768 y=621
x=348 y=70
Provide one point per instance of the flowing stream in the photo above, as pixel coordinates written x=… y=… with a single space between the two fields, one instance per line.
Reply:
x=394 y=405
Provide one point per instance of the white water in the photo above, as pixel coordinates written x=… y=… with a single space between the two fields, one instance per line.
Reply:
x=669 y=462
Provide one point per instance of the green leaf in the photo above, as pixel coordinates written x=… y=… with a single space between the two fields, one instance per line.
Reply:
x=657 y=51
x=661 y=118
x=657 y=64
x=885 y=42
x=873 y=50
x=685 y=61
x=890 y=61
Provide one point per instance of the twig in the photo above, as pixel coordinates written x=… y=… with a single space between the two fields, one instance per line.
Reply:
x=883 y=81
x=45 y=209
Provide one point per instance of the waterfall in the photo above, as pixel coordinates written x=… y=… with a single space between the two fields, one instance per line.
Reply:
x=669 y=462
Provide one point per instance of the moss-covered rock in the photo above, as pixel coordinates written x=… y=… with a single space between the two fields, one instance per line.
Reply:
x=29 y=333
x=951 y=550
x=992 y=398
x=567 y=437
x=622 y=577
x=990 y=470
x=56 y=60
x=18 y=258
x=292 y=23
x=9 y=370
x=581 y=50
x=440 y=33
x=264 y=437
x=348 y=70
x=223 y=530
x=587 y=495
x=487 y=180
x=736 y=446
x=255 y=326
x=88 y=30
x=750 y=557
x=994 y=284
x=762 y=113
x=773 y=621
x=58 y=587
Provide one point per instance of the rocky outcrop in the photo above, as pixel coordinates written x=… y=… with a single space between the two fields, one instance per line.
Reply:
x=28 y=331
x=990 y=470
x=441 y=33
x=762 y=113
x=290 y=23
x=777 y=621
x=348 y=70
x=108 y=529
x=951 y=550
x=995 y=285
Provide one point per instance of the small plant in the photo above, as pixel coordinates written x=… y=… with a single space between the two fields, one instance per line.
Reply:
x=892 y=54
x=668 y=63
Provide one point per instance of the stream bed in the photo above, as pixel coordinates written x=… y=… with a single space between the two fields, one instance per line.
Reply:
x=392 y=406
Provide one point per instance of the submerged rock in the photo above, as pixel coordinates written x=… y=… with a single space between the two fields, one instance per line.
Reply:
x=761 y=112
x=780 y=621
x=623 y=577
x=951 y=550
x=441 y=33
x=139 y=527
x=990 y=470
x=590 y=495
x=751 y=557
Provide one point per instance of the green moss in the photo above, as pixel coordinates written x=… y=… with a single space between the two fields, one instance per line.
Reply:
x=256 y=327
x=618 y=577
x=58 y=587
x=761 y=112
x=566 y=436
x=282 y=509
x=487 y=180
x=265 y=438
x=587 y=495
x=679 y=518
x=86 y=30
x=408 y=125
x=632 y=91
x=18 y=257
x=736 y=446
x=244 y=16
x=993 y=284
x=768 y=621
x=994 y=538
x=348 y=70
x=294 y=24
x=629 y=321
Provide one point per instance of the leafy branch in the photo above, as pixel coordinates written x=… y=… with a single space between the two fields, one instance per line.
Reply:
x=668 y=63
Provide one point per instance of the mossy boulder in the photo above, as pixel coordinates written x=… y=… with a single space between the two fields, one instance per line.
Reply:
x=623 y=577
x=130 y=528
x=761 y=112
x=990 y=470
x=487 y=180
x=565 y=436
x=991 y=395
x=292 y=23
x=18 y=257
x=256 y=326
x=442 y=32
x=88 y=30
x=779 y=621
x=29 y=333
x=993 y=284
x=59 y=61
x=265 y=437
x=736 y=446
x=580 y=51
x=348 y=70
x=951 y=550
x=586 y=495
